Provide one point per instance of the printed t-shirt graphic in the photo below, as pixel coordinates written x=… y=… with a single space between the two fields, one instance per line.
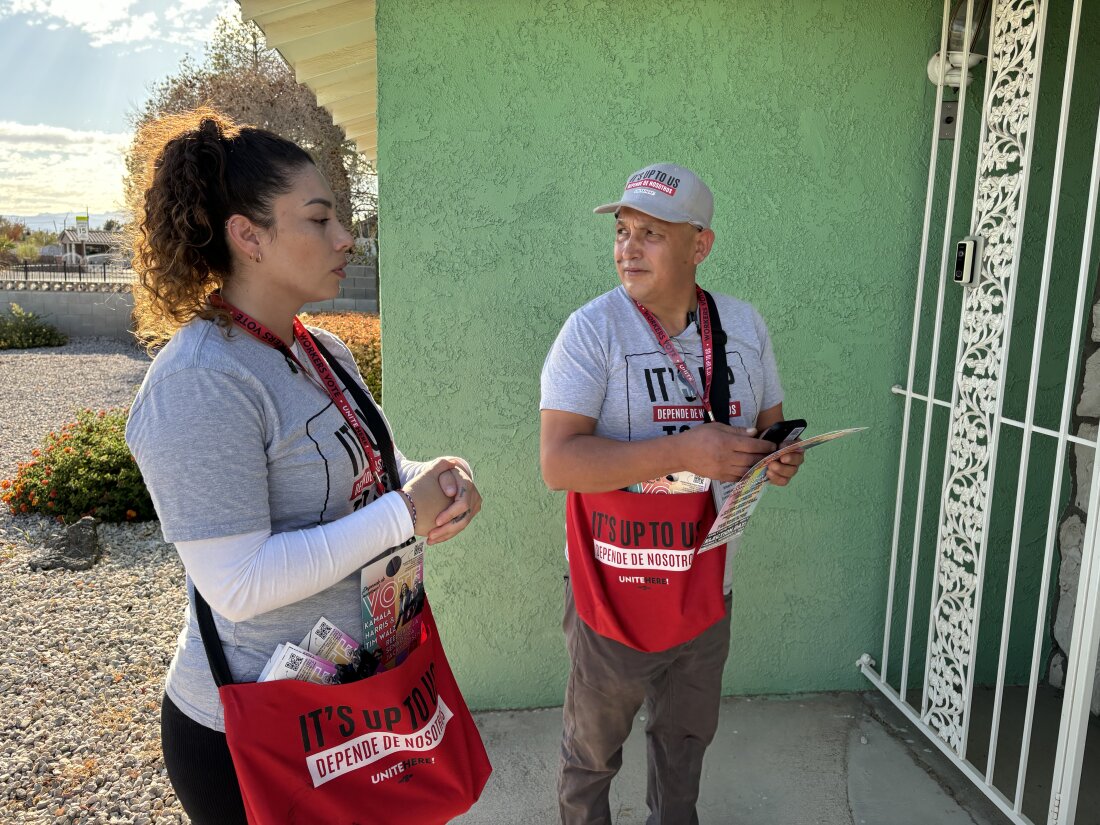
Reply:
x=657 y=398
x=343 y=457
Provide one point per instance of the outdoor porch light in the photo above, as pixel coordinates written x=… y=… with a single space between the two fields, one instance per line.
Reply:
x=953 y=69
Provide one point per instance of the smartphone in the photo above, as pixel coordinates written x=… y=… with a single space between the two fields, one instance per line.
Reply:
x=783 y=431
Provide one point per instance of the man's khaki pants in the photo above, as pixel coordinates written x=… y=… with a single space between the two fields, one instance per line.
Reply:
x=608 y=682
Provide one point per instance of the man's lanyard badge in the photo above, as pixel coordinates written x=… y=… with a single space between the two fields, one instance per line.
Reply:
x=677 y=360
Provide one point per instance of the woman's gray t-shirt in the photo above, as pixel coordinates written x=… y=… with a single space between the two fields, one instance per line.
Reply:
x=230 y=441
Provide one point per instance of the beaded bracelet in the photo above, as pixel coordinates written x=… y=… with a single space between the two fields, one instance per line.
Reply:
x=412 y=506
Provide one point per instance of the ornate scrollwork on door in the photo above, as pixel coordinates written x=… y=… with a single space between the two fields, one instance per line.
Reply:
x=999 y=198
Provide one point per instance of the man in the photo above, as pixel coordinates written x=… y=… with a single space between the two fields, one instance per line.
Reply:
x=651 y=379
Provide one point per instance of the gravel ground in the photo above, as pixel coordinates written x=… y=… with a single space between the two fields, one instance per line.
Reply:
x=82 y=655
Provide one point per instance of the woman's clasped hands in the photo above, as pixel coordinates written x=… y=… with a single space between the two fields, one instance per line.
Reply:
x=445 y=498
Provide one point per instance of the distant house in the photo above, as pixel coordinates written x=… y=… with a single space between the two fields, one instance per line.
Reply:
x=98 y=242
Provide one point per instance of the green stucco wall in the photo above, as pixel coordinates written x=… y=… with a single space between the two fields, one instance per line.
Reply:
x=501 y=124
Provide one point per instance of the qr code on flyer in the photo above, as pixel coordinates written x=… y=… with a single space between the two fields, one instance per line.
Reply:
x=323 y=629
x=293 y=662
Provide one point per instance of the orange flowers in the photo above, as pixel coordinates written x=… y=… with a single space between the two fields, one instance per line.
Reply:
x=81 y=468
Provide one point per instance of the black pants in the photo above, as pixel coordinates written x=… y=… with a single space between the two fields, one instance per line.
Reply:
x=200 y=769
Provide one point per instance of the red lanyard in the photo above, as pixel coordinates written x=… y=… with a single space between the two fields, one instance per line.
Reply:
x=675 y=357
x=372 y=473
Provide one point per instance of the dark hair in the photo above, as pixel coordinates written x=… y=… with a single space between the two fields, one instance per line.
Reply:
x=196 y=170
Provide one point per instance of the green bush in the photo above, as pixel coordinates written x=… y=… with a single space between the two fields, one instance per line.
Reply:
x=362 y=332
x=21 y=330
x=369 y=361
x=85 y=469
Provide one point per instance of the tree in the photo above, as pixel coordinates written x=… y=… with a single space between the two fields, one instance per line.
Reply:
x=245 y=80
x=111 y=225
x=12 y=230
x=43 y=238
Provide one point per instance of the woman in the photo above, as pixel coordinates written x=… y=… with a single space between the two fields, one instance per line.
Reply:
x=263 y=473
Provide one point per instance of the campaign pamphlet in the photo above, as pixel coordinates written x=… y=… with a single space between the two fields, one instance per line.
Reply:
x=289 y=661
x=392 y=592
x=736 y=501
x=331 y=643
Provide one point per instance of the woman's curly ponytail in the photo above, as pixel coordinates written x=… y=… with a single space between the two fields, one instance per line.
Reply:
x=197 y=170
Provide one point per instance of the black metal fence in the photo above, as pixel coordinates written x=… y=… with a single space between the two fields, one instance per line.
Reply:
x=26 y=274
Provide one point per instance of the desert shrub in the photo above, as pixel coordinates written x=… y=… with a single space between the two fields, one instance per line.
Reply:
x=362 y=333
x=83 y=469
x=20 y=329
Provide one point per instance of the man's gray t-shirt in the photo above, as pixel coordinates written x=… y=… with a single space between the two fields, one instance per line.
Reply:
x=231 y=441
x=606 y=364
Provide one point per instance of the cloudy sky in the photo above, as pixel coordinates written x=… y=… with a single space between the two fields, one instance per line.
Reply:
x=75 y=69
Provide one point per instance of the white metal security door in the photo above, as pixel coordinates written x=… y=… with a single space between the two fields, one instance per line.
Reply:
x=1017 y=31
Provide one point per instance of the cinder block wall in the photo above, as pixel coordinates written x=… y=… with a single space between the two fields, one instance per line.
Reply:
x=77 y=314
x=359 y=293
x=107 y=314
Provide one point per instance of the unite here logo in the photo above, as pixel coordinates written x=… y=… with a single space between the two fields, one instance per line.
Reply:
x=371 y=747
x=381 y=733
x=654 y=179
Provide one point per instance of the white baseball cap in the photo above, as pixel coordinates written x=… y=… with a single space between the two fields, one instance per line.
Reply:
x=669 y=192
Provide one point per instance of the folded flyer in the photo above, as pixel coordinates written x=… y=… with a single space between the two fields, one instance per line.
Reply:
x=289 y=661
x=331 y=643
x=392 y=592
x=735 y=502
x=682 y=482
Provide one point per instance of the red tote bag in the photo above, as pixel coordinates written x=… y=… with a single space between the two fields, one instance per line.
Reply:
x=634 y=569
x=399 y=747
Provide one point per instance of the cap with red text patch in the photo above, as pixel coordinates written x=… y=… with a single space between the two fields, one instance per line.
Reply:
x=669 y=192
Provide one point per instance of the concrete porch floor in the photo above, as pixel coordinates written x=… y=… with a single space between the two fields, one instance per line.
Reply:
x=827 y=759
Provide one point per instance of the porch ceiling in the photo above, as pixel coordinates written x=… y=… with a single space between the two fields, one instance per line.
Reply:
x=330 y=45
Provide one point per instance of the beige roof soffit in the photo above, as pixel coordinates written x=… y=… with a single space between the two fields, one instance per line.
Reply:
x=330 y=45
x=336 y=85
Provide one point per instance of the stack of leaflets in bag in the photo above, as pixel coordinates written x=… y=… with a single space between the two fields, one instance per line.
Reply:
x=315 y=659
x=392 y=591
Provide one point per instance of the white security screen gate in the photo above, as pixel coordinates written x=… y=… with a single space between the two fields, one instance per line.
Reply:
x=941 y=576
